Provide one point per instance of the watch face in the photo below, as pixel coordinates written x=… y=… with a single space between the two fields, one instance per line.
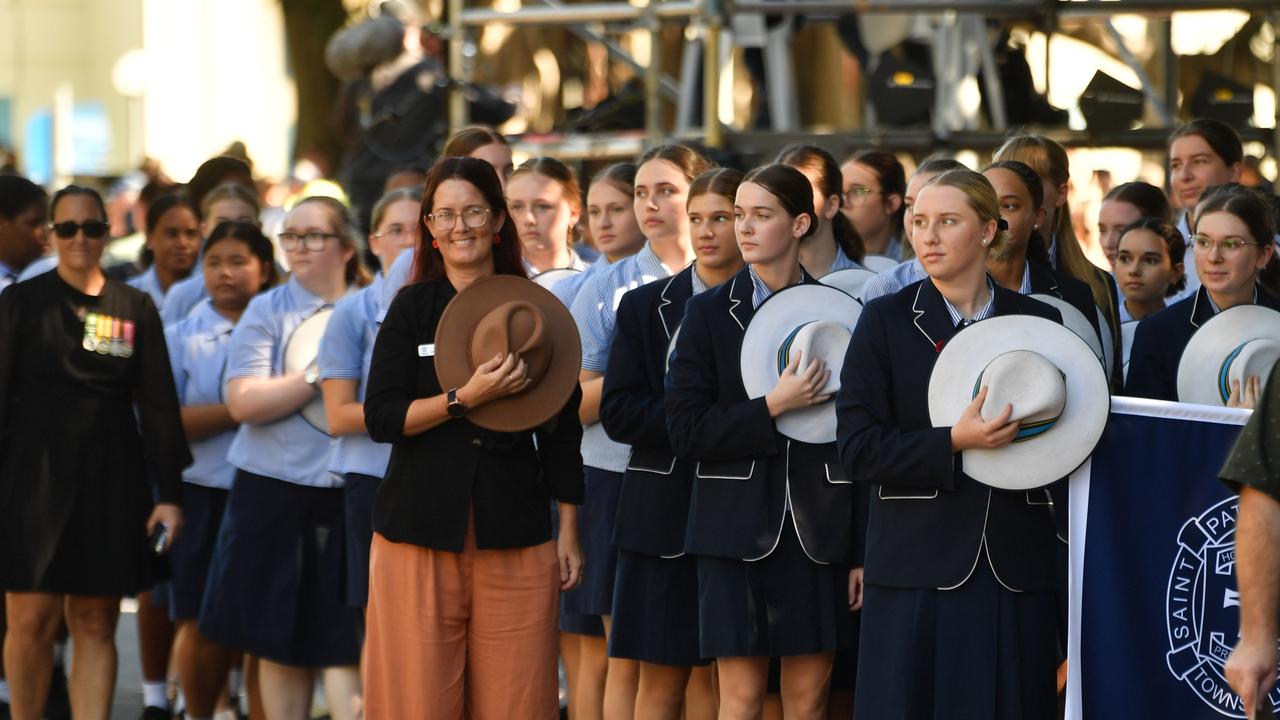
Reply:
x=456 y=409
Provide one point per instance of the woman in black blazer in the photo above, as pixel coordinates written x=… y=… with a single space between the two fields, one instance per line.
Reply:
x=959 y=607
x=768 y=585
x=655 y=599
x=462 y=519
x=1236 y=262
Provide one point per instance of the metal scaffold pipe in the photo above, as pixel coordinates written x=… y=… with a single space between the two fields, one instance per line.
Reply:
x=581 y=13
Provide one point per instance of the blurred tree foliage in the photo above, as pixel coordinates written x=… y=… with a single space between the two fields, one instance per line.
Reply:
x=308 y=25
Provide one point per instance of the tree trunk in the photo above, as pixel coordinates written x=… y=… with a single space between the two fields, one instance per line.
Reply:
x=308 y=25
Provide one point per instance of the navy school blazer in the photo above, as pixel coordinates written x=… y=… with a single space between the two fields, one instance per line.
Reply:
x=653 y=507
x=744 y=470
x=1161 y=338
x=930 y=524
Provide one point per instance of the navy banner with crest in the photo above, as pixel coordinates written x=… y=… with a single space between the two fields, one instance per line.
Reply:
x=1154 y=608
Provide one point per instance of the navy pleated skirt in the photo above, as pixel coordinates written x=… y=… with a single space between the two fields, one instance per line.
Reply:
x=192 y=554
x=595 y=532
x=358 y=492
x=784 y=604
x=276 y=585
x=980 y=647
x=655 y=610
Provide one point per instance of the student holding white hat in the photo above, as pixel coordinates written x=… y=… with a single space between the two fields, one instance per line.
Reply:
x=771 y=517
x=961 y=575
x=1236 y=264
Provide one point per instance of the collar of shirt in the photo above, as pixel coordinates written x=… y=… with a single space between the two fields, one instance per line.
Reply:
x=842 y=261
x=960 y=321
x=1025 y=288
x=760 y=291
x=8 y=276
x=208 y=319
x=1125 y=315
x=699 y=286
x=575 y=263
x=649 y=264
x=1053 y=251
x=302 y=299
x=1209 y=296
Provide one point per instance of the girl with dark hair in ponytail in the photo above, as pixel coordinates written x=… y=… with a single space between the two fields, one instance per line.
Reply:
x=173 y=241
x=769 y=586
x=834 y=244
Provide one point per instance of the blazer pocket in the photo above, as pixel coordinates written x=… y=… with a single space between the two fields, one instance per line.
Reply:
x=1039 y=496
x=658 y=462
x=836 y=474
x=726 y=470
x=906 y=494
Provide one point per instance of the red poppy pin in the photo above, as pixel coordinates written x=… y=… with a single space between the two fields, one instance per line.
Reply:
x=937 y=346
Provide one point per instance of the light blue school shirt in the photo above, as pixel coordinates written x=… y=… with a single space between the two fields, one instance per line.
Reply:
x=595 y=310
x=288 y=449
x=396 y=277
x=345 y=354
x=198 y=347
x=39 y=267
x=894 y=279
x=567 y=289
x=184 y=296
x=149 y=283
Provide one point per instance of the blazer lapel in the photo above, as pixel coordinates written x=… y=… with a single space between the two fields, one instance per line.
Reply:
x=680 y=286
x=931 y=317
x=740 y=292
x=1043 y=281
x=1201 y=308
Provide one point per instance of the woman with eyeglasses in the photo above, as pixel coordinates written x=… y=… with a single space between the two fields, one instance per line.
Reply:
x=173 y=240
x=276 y=572
x=875 y=188
x=1236 y=262
x=91 y=459
x=463 y=572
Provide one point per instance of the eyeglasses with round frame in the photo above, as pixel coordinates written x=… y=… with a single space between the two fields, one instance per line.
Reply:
x=858 y=193
x=443 y=221
x=397 y=233
x=1203 y=244
x=311 y=241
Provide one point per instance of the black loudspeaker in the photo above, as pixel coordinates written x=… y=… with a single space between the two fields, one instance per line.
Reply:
x=902 y=87
x=1223 y=99
x=1109 y=105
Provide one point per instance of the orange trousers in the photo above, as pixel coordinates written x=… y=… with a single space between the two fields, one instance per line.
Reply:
x=461 y=635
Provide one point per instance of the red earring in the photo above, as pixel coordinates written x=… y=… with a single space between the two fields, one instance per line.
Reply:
x=435 y=244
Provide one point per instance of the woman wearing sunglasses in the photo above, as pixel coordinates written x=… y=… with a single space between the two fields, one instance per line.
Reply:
x=1236 y=264
x=89 y=420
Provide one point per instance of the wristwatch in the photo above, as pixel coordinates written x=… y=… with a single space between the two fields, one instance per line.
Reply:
x=456 y=408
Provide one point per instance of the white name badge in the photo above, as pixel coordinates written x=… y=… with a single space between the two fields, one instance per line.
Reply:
x=427 y=350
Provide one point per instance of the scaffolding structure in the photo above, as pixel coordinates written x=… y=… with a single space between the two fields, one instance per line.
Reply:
x=709 y=18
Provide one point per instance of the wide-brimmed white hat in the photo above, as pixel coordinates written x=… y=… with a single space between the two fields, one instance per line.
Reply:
x=814 y=320
x=1076 y=322
x=300 y=351
x=879 y=263
x=849 y=280
x=1050 y=376
x=549 y=278
x=1234 y=344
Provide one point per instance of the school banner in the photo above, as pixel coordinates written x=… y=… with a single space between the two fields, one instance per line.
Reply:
x=1154 y=609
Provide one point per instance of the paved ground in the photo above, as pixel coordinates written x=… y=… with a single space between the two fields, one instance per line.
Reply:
x=128 y=699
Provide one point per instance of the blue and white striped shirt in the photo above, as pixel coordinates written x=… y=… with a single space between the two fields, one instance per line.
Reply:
x=960 y=321
x=892 y=280
x=596 y=306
